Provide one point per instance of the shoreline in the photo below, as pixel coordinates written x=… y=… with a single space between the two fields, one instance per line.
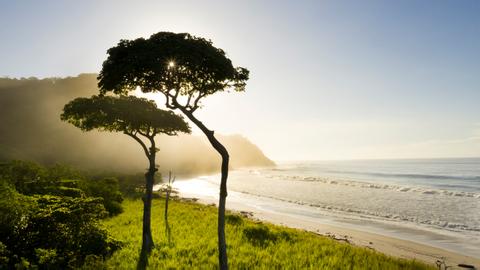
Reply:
x=385 y=244
x=389 y=245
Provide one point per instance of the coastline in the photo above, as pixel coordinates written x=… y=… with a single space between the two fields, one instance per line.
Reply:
x=381 y=242
x=388 y=245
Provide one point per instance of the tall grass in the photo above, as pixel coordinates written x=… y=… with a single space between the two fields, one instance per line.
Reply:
x=251 y=245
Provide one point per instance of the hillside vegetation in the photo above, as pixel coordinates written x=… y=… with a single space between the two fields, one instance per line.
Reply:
x=50 y=216
x=31 y=129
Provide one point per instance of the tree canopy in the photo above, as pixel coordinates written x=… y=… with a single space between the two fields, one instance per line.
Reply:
x=128 y=114
x=175 y=64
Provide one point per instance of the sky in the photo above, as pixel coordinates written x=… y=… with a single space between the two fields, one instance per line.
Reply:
x=329 y=79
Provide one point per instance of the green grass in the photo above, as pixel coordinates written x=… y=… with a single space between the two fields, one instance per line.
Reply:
x=251 y=245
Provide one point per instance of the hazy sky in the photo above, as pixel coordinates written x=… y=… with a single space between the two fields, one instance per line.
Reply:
x=329 y=79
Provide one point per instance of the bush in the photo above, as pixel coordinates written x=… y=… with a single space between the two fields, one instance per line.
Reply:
x=4 y=255
x=108 y=190
x=51 y=231
x=132 y=186
x=29 y=178
x=46 y=257
x=14 y=208
x=26 y=177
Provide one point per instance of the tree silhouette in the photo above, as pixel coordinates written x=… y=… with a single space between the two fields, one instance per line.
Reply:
x=185 y=69
x=138 y=118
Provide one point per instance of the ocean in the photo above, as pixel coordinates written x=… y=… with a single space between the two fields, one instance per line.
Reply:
x=432 y=201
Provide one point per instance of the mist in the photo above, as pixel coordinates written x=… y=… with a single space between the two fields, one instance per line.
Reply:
x=30 y=129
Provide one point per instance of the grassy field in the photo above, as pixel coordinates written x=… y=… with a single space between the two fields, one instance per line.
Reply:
x=251 y=245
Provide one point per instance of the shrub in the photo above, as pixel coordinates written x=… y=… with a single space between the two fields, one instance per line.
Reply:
x=108 y=190
x=29 y=178
x=4 y=255
x=52 y=231
x=26 y=177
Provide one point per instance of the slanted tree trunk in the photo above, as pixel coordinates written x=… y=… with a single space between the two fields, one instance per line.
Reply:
x=222 y=243
x=147 y=239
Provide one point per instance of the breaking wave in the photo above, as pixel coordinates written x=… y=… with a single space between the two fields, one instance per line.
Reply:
x=399 y=188
x=438 y=223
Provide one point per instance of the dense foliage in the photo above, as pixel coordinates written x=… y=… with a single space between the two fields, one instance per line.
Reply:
x=50 y=222
x=109 y=190
x=170 y=61
x=30 y=178
x=128 y=114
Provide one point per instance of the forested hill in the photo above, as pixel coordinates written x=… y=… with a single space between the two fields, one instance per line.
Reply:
x=30 y=129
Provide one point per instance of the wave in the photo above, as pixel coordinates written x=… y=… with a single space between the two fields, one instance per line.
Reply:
x=399 y=188
x=410 y=175
x=441 y=224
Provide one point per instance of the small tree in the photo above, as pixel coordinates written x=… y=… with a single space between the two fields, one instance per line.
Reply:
x=168 y=191
x=136 y=117
x=185 y=69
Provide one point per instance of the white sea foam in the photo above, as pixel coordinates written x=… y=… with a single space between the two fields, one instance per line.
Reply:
x=450 y=204
x=360 y=184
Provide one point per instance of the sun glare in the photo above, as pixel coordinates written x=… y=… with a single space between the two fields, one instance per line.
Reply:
x=158 y=98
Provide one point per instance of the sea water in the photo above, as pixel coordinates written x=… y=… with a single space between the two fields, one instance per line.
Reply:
x=411 y=198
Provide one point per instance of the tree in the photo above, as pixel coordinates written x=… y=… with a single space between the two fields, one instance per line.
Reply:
x=136 y=117
x=185 y=69
x=168 y=191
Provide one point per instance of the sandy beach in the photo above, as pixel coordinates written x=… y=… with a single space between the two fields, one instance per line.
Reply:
x=358 y=235
x=388 y=245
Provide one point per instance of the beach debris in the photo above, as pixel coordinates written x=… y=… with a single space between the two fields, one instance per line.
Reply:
x=340 y=238
x=467 y=266
x=246 y=214
x=442 y=265
x=189 y=199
